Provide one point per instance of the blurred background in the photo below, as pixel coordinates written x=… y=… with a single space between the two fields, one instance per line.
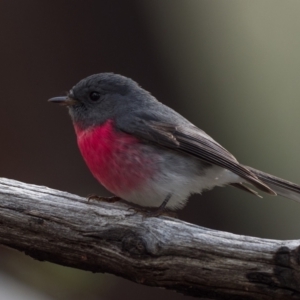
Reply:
x=231 y=67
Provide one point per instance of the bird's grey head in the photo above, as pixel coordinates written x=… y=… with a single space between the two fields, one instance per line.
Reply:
x=100 y=97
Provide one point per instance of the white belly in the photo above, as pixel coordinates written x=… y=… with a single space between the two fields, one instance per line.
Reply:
x=179 y=176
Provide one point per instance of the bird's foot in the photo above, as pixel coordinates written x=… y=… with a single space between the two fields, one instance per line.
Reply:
x=147 y=213
x=104 y=199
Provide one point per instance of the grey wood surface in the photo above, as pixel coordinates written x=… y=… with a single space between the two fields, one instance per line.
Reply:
x=66 y=229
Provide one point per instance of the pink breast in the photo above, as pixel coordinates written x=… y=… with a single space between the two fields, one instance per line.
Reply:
x=116 y=159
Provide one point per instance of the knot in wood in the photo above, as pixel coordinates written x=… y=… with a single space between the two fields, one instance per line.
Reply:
x=134 y=245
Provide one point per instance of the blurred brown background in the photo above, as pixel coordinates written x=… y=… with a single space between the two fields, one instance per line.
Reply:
x=231 y=67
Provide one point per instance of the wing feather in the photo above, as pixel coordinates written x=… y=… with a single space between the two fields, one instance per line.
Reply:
x=193 y=141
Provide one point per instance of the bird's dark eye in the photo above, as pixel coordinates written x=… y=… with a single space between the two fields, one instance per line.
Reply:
x=94 y=96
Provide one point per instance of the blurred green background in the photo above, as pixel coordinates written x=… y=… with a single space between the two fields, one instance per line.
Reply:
x=231 y=67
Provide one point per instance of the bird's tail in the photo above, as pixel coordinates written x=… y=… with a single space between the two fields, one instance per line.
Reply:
x=280 y=186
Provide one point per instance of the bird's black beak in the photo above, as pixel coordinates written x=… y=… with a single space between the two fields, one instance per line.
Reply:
x=63 y=100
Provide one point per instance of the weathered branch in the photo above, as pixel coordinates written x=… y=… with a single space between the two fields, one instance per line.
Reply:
x=100 y=237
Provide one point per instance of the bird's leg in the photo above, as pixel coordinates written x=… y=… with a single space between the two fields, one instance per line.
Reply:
x=153 y=213
x=104 y=199
x=161 y=208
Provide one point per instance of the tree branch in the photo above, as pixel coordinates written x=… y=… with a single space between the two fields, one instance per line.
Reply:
x=101 y=237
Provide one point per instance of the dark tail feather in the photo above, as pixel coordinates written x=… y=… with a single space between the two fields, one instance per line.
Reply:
x=245 y=188
x=280 y=186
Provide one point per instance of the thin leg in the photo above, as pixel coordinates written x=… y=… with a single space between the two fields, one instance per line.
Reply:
x=162 y=207
x=153 y=213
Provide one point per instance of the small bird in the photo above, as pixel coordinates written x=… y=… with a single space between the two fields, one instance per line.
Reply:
x=146 y=153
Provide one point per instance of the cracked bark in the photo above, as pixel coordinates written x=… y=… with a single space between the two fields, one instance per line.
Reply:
x=106 y=237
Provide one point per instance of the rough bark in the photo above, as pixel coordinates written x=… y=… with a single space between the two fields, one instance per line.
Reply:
x=102 y=237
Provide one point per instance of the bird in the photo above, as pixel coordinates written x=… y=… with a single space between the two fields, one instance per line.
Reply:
x=146 y=153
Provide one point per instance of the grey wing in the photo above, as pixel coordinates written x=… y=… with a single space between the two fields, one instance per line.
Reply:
x=190 y=140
